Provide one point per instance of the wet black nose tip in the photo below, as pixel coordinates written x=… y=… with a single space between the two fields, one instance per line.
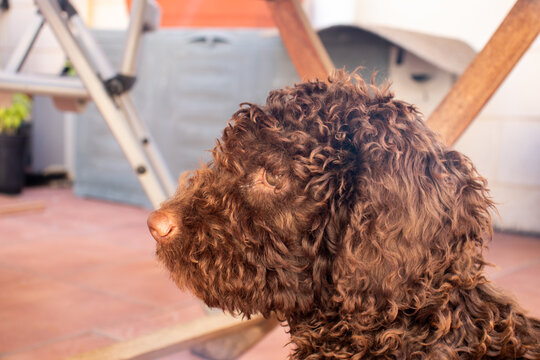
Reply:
x=161 y=226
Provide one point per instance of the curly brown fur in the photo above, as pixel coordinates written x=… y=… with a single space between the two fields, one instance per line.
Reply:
x=336 y=208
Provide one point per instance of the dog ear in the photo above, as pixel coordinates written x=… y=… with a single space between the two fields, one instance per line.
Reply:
x=420 y=216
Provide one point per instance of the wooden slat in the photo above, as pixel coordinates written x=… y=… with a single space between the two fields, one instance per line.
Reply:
x=235 y=344
x=302 y=43
x=171 y=340
x=487 y=71
x=18 y=207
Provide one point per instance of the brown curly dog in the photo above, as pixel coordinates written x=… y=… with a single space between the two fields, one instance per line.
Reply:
x=335 y=207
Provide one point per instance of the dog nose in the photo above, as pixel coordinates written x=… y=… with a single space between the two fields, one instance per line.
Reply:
x=161 y=226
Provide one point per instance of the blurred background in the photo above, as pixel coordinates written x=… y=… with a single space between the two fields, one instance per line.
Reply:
x=229 y=52
x=77 y=267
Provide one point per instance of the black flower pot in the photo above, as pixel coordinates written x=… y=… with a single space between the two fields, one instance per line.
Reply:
x=13 y=159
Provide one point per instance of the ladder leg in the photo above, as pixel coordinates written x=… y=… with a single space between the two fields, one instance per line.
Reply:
x=116 y=111
x=135 y=29
x=105 y=104
x=24 y=45
x=304 y=46
x=149 y=146
x=123 y=98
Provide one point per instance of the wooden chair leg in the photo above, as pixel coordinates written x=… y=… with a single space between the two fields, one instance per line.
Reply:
x=8 y=207
x=232 y=346
x=487 y=71
x=180 y=337
x=304 y=46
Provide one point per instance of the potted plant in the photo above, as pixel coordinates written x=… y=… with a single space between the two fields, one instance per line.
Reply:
x=14 y=138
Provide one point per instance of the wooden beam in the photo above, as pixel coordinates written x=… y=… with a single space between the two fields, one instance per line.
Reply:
x=173 y=339
x=304 y=46
x=487 y=71
x=235 y=344
x=18 y=207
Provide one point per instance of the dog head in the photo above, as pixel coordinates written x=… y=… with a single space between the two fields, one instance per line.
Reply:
x=332 y=194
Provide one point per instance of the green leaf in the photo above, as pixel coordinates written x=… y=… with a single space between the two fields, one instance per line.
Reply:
x=13 y=116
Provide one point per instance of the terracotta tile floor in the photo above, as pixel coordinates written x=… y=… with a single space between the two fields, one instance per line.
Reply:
x=80 y=274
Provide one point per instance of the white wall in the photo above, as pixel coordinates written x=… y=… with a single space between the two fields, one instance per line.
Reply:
x=504 y=142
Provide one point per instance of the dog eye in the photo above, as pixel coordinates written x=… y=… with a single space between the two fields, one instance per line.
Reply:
x=270 y=179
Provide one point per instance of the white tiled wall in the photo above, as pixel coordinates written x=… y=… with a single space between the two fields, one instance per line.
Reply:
x=481 y=143
x=517 y=207
x=518 y=141
x=504 y=143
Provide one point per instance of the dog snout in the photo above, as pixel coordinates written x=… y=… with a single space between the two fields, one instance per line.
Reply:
x=161 y=226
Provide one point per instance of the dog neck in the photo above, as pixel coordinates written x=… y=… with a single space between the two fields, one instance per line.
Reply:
x=479 y=320
x=322 y=332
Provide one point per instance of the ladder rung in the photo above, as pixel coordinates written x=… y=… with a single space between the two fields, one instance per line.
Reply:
x=41 y=84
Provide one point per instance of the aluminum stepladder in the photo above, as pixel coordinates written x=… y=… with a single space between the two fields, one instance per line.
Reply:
x=98 y=81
